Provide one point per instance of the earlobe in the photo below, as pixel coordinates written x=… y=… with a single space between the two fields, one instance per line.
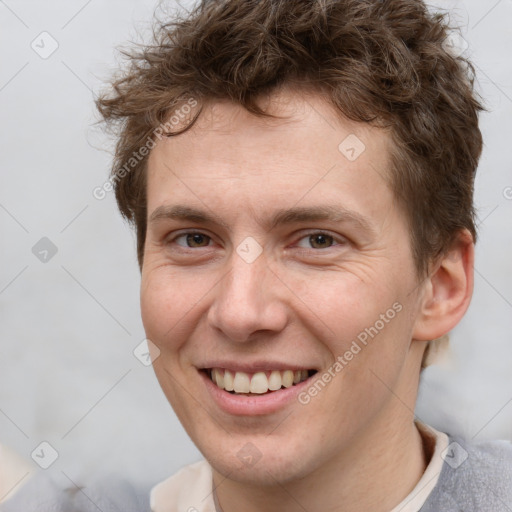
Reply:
x=447 y=291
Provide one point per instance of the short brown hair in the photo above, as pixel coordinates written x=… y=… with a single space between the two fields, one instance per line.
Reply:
x=381 y=62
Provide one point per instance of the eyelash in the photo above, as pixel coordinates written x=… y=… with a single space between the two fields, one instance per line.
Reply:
x=337 y=239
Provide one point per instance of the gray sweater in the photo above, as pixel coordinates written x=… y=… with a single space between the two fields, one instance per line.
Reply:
x=482 y=482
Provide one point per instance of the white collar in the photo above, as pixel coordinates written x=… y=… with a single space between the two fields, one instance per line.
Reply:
x=418 y=496
x=188 y=490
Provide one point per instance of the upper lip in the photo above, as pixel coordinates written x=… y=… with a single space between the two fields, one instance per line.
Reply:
x=254 y=366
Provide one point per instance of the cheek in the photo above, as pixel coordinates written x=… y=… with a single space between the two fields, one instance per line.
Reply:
x=153 y=305
x=370 y=322
x=162 y=307
x=347 y=303
x=373 y=357
x=172 y=304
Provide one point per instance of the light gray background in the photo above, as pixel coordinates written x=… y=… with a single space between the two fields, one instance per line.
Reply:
x=68 y=326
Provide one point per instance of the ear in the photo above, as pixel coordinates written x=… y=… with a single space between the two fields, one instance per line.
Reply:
x=447 y=290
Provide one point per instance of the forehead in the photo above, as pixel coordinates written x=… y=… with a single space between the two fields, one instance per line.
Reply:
x=296 y=114
x=309 y=152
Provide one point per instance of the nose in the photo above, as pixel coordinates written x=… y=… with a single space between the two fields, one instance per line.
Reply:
x=248 y=301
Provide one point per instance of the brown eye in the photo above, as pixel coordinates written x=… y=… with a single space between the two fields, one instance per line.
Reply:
x=192 y=240
x=320 y=241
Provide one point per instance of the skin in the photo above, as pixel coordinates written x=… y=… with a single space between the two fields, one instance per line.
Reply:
x=354 y=446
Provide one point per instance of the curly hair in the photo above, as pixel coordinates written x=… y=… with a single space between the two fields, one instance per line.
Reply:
x=378 y=62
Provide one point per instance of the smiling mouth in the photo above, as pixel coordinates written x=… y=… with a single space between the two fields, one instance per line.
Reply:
x=259 y=383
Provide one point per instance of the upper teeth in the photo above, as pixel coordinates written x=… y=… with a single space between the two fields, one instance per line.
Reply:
x=259 y=382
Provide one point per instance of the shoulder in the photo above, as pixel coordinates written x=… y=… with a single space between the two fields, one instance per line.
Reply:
x=112 y=494
x=40 y=493
x=474 y=477
x=44 y=493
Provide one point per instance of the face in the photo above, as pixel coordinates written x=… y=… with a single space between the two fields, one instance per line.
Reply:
x=276 y=257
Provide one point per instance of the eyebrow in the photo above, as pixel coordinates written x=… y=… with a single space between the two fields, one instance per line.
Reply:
x=280 y=217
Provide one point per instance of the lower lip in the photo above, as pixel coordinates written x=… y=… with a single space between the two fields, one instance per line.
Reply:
x=255 y=405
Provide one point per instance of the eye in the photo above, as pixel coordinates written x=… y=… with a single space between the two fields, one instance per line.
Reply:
x=317 y=240
x=192 y=240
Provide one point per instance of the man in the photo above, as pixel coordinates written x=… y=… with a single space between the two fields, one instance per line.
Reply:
x=300 y=177
x=296 y=265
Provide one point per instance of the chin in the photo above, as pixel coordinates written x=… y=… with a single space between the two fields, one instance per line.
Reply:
x=259 y=460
